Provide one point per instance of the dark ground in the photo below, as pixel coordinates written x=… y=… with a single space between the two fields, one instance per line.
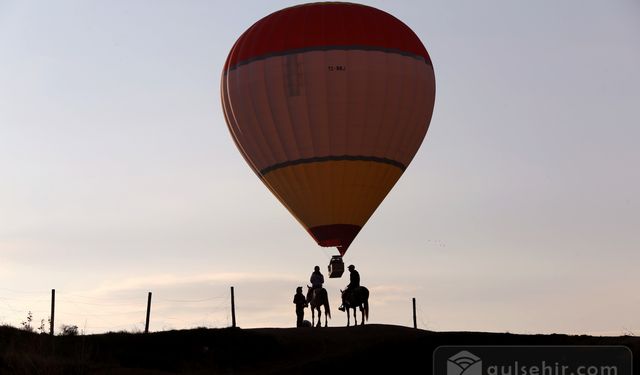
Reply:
x=370 y=349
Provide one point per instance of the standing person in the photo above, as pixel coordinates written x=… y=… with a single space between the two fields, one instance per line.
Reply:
x=301 y=302
x=354 y=282
x=317 y=279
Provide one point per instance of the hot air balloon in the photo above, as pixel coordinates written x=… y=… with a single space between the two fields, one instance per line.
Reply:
x=328 y=103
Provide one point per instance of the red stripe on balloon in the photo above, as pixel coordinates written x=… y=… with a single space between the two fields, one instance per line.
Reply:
x=335 y=235
x=320 y=25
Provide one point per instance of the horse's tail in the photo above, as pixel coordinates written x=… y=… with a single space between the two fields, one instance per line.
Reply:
x=325 y=302
x=366 y=304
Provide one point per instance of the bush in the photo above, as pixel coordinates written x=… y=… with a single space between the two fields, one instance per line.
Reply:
x=66 y=330
x=26 y=325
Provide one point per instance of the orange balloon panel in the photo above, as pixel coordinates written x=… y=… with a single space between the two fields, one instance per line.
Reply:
x=333 y=198
x=329 y=121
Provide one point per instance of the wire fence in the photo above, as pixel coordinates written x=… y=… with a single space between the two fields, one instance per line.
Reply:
x=115 y=313
x=94 y=314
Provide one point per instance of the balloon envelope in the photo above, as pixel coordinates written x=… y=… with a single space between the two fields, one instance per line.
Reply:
x=329 y=103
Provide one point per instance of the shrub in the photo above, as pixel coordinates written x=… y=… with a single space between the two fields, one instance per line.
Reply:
x=26 y=325
x=68 y=330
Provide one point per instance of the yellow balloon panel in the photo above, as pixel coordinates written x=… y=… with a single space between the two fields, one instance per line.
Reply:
x=333 y=192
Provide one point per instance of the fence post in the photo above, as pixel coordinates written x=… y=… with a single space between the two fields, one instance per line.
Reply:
x=53 y=311
x=415 y=322
x=233 y=309
x=146 y=324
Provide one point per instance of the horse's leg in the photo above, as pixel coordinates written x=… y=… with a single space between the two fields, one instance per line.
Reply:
x=319 y=317
x=355 y=319
x=326 y=318
x=313 y=316
x=361 y=316
x=348 y=318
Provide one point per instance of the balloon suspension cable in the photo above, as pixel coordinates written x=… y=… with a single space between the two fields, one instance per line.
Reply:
x=325 y=251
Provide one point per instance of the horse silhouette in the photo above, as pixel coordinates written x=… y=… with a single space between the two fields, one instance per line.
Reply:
x=317 y=298
x=358 y=297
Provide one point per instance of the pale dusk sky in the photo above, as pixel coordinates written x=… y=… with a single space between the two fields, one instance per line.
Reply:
x=118 y=176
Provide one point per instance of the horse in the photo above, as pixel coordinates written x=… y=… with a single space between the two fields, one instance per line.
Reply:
x=315 y=299
x=358 y=297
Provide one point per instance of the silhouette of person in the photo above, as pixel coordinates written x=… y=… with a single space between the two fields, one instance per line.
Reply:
x=354 y=282
x=317 y=279
x=301 y=302
x=354 y=278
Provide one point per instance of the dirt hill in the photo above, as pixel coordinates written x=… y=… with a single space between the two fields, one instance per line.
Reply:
x=364 y=349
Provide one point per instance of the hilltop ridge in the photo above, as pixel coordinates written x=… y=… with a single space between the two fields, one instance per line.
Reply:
x=371 y=348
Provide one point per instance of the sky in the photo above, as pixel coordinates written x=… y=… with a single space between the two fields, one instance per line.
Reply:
x=520 y=212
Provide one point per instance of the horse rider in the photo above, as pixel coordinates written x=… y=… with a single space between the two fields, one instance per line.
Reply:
x=317 y=279
x=354 y=282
